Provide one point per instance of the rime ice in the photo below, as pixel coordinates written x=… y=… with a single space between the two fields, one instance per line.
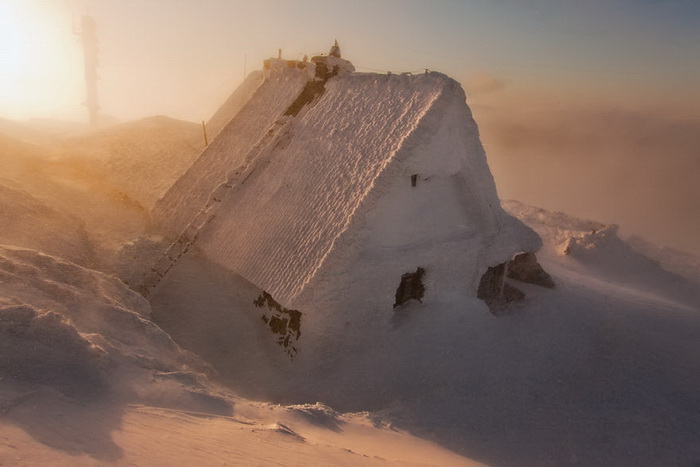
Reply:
x=372 y=177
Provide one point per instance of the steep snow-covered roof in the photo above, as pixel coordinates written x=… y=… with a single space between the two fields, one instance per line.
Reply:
x=283 y=221
x=278 y=227
x=233 y=104
x=280 y=193
x=228 y=151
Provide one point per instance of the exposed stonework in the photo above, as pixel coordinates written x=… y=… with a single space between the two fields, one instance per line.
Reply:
x=285 y=324
x=525 y=268
x=495 y=291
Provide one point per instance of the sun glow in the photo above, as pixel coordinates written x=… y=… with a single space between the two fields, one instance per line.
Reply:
x=40 y=62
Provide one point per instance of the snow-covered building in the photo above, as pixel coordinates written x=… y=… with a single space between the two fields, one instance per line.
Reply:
x=328 y=186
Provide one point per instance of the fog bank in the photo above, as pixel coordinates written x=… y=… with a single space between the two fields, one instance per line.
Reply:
x=636 y=168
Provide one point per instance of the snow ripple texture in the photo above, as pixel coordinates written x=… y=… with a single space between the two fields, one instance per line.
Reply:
x=233 y=104
x=279 y=226
x=228 y=151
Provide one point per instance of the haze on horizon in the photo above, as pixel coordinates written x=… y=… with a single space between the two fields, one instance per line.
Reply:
x=591 y=108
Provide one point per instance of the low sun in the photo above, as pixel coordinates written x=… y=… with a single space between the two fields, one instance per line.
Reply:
x=16 y=43
x=38 y=59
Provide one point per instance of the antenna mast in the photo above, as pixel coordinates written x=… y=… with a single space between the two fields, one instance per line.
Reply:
x=88 y=34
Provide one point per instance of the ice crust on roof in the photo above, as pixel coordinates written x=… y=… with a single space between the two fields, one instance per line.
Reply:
x=290 y=199
x=278 y=228
x=228 y=151
x=233 y=104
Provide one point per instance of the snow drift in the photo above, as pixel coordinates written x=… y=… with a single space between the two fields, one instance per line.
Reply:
x=86 y=334
x=578 y=374
x=143 y=158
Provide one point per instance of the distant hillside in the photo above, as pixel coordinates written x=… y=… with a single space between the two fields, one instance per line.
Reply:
x=62 y=207
x=143 y=158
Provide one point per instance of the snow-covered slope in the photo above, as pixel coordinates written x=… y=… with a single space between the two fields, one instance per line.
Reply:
x=143 y=158
x=601 y=370
x=75 y=199
x=29 y=222
x=596 y=249
x=86 y=378
x=671 y=259
x=42 y=430
x=66 y=205
x=595 y=371
x=85 y=334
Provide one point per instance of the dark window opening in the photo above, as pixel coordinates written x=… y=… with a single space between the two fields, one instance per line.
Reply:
x=411 y=287
x=414 y=179
x=495 y=291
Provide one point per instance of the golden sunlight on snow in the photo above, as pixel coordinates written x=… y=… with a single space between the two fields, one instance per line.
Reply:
x=144 y=435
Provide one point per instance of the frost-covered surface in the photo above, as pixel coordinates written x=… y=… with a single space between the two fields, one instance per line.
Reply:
x=61 y=206
x=601 y=370
x=78 y=331
x=598 y=371
x=593 y=372
x=340 y=65
x=228 y=151
x=343 y=167
x=86 y=378
x=233 y=104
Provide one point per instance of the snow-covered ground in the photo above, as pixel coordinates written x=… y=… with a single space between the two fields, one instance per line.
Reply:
x=86 y=378
x=597 y=371
x=604 y=369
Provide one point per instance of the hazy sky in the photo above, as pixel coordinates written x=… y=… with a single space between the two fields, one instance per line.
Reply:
x=604 y=89
x=183 y=57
